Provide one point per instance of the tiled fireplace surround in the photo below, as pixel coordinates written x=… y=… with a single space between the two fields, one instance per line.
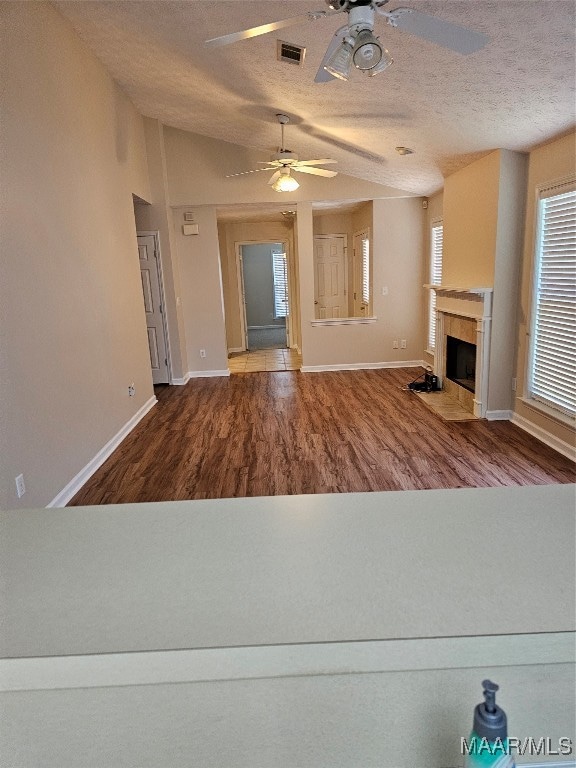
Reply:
x=466 y=314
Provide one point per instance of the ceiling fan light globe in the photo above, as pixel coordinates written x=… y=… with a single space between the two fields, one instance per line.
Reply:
x=385 y=62
x=367 y=51
x=340 y=63
x=285 y=183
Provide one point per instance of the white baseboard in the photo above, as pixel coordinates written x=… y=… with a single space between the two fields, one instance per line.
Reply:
x=72 y=488
x=499 y=415
x=363 y=366
x=180 y=382
x=207 y=374
x=233 y=350
x=265 y=327
x=545 y=437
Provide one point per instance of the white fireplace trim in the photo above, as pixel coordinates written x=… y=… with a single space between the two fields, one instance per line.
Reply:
x=474 y=303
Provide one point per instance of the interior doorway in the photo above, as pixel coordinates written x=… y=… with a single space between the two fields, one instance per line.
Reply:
x=263 y=272
x=154 y=305
x=263 y=276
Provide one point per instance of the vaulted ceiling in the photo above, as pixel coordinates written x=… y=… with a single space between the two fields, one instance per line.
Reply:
x=515 y=93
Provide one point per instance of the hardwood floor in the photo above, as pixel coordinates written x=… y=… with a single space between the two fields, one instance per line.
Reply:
x=265 y=434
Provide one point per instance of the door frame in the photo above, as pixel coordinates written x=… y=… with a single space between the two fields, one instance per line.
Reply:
x=238 y=244
x=156 y=235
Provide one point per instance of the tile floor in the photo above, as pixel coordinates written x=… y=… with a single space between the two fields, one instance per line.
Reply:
x=264 y=360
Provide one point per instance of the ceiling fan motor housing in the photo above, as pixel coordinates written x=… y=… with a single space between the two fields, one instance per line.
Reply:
x=343 y=5
x=285 y=157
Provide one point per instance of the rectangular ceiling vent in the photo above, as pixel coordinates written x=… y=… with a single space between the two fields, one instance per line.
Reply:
x=293 y=54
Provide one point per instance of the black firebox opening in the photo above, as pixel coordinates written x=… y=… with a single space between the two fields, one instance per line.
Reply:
x=461 y=362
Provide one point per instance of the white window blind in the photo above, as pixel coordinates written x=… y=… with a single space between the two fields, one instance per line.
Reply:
x=280 y=284
x=436 y=244
x=552 y=372
x=365 y=270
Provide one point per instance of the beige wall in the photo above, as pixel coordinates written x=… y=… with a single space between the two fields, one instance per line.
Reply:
x=553 y=161
x=201 y=287
x=73 y=326
x=507 y=259
x=470 y=223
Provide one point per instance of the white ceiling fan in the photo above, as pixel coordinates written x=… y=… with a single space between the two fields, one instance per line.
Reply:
x=284 y=162
x=355 y=42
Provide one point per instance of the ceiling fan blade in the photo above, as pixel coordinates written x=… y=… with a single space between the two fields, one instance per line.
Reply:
x=315 y=171
x=322 y=76
x=326 y=161
x=263 y=29
x=274 y=177
x=436 y=30
x=243 y=173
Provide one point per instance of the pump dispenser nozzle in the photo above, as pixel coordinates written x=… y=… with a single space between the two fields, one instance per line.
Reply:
x=489 y=718
x=490 y=689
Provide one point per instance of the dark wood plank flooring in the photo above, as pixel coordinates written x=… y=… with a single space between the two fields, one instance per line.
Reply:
x=266 y=434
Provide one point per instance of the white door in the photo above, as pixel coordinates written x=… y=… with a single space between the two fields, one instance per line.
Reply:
x=151 y=288
x=330 y=276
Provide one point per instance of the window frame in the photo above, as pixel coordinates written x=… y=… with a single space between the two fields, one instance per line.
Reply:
x=280 y=284
x=533 y=394
x=435 y=277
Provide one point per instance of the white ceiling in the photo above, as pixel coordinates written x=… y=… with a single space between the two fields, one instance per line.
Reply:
x=516 y=93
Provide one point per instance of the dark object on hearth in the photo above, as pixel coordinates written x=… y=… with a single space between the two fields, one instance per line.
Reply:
x=426 y=382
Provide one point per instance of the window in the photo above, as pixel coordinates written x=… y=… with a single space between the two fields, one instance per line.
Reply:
x=365 y=270
x=436 y=243
x=552 y=363
x=280 y=285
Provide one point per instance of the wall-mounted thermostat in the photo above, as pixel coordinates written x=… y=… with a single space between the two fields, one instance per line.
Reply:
x=190 y=229
x=188 y=216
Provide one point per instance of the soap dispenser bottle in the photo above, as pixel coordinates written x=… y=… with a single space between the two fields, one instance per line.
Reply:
x=488 y=745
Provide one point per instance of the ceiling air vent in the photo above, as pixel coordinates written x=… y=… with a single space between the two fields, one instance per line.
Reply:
x=293 y=54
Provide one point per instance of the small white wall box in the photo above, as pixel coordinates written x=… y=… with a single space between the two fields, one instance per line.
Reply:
x=188 y=216
x=190 y=229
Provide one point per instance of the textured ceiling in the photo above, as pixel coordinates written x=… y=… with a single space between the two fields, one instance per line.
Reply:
x=450 y=109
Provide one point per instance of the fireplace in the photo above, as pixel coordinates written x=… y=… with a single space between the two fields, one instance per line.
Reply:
x=461 y=362
x=463 y=324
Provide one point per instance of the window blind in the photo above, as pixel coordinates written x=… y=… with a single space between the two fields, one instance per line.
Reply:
x=552 y=373
x=280 y=272
x=365 y=270
x=436 y=245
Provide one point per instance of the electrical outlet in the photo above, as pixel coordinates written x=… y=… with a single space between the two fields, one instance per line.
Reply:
x=384 y=290
x=403 y=344
x=202 y=353
x=20 y=486
x=395 y=344
x=131 y=390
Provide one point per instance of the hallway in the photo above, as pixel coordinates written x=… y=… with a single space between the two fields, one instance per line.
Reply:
x=265 y=360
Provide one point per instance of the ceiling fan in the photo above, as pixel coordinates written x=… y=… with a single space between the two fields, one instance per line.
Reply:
x=355 y=42
x=284 y=162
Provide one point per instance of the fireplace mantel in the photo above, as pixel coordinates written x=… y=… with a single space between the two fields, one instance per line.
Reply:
x=473 y=302
x=458 y=289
